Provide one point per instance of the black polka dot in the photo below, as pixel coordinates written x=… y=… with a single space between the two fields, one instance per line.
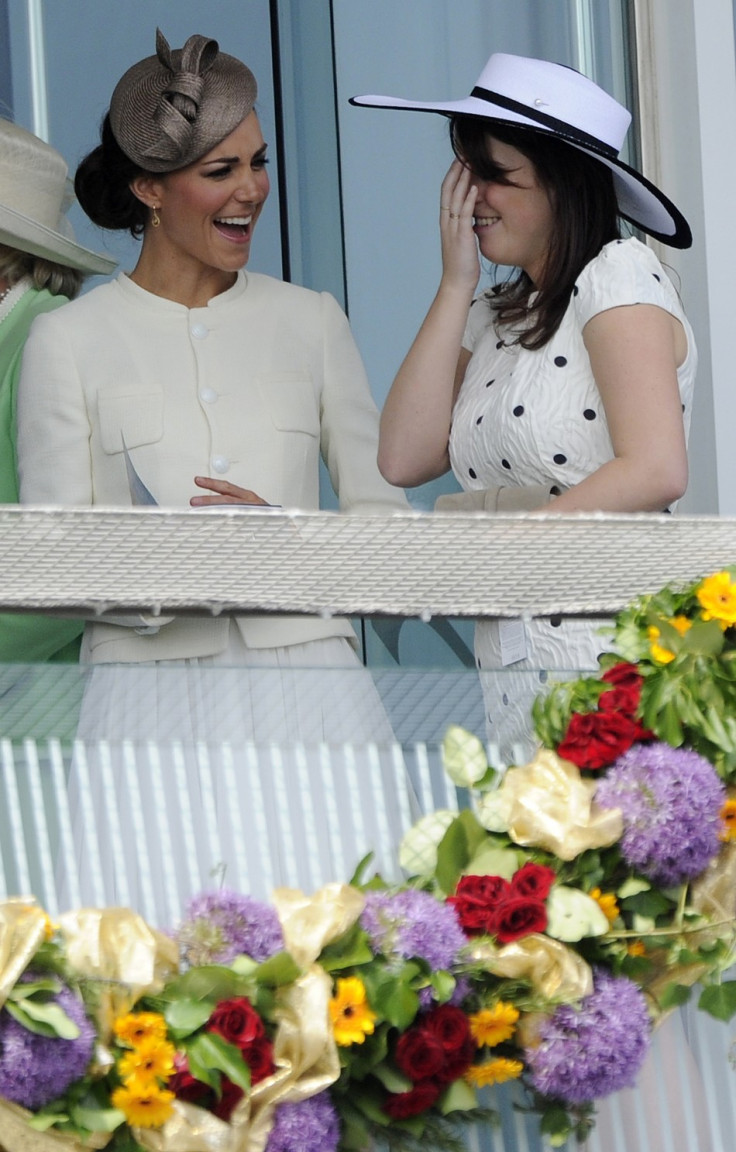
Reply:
x=619 y=241
x=554 y=490
x=505 y=463
x=479 y=420
x=683 y=407
x=477 y=660
x=472 y=474
x=656 y=277
x=555 y=621
x=666 y=511
x=559 y=458
x=519 y=410
x=505 y=698
x=560 y=361
x=543 y=677
x=590 y=414
x=499 y=344
x=575 y=289
x=491 y=382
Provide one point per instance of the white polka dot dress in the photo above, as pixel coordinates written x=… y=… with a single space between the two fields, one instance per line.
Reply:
x=536 y=417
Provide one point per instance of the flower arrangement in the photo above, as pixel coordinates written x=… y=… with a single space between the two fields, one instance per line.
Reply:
x=541 y=933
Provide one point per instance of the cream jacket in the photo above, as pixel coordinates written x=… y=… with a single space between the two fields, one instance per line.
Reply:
x=250 y=389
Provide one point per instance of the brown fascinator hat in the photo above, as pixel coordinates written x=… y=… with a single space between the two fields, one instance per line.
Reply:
x=172 y=108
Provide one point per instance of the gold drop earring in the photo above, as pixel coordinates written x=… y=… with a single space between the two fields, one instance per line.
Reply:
x=155 y=219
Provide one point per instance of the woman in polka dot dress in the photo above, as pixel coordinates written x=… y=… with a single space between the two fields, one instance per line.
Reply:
x=571 y=381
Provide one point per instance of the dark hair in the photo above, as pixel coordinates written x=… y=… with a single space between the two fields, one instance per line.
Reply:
x=102 y=186
x=585 y=213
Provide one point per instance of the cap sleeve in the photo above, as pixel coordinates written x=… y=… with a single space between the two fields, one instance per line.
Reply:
x=480 y=317
x=624 y=272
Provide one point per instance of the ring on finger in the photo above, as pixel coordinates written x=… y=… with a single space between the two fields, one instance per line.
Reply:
x=454 y=216
x=444 y=208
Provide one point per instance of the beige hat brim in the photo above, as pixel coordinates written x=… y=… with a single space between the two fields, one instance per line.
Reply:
x=19 y=231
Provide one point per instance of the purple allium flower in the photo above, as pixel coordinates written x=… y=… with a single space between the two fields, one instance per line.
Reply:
x=306 y=1126
x=595 y=1048
x=221 y=925
x=413 y=924
x=671 y=800
x=34 y=1070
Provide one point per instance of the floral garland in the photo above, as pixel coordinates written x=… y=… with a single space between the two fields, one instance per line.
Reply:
x=544 y=930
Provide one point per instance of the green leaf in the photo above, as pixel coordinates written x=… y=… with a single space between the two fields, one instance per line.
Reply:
x=213 y=1053
x=453 y=855
x=396 y=1002
x=555 y=1122
x=185 y=1016
x=392 y=1080
x=443 y=984
x=278 y=970
x=458 y=1097
x=719 y=1000
x=97 y=1119
x=492 y=861
x=41 y=1122
x=674 y=995
x=45 y=1019
x=212 y=982
x=349 y=951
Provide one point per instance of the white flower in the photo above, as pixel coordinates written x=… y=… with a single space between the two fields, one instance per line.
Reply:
x=572 y=914
x=418 y=849
x=463 y=756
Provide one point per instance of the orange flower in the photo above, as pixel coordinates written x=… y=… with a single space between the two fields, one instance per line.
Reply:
x=728 y=820
x=494 y=1072
x=636 y=948
x=352 y=1017
x=606 y=901
x=717 y=597
x=492 y=1026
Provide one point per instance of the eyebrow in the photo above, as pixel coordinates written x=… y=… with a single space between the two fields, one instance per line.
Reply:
x=234 y=159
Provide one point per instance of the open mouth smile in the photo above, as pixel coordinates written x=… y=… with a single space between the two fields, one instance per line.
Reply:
x=236 y=228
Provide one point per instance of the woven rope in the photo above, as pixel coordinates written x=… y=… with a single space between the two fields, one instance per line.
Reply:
x=408 y=564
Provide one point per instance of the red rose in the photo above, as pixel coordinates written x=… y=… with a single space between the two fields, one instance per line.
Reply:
x=259 y=1058
x=596 y=739
x=422 y=1096
x=623 y=675
x=533 y=880
x=231 y=1095
x=519 y=916
x=458 y=1062
x=449 y=1025
x=475 y=900
x=419 y=1054
x=236 y=1020
x=187 y=1087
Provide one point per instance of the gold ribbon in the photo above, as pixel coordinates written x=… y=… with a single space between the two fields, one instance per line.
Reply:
x=17 y=1136
x=305 y=1053
x=551 y=806
x=554 y=971
x=22 y=931
x=115 y=947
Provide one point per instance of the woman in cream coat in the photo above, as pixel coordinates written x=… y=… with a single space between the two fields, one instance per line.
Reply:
x=211 y=378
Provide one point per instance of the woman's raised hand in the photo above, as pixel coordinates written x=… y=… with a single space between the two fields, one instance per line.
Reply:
x=460 y=261
x=224 y=493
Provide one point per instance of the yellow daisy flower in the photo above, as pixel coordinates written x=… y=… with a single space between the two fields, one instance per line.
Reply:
x=494 y=1072
x=717 y=597
x=143 y=1103
x=659 y=653
x=351 y=1015
x=728 y=821
x=136 y=1027
x=492 y=1026
x=606 y=901
x=152 y=1059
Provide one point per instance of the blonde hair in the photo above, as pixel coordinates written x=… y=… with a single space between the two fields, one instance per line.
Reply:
x=57 y=278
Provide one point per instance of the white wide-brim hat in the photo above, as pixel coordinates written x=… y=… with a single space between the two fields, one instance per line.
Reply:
x=558 y=100
x=35 y=195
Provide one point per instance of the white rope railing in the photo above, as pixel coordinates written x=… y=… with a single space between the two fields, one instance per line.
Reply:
x=406 y=564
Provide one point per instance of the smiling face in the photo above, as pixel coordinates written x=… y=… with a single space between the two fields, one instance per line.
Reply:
x=513 y=220
x=209 y=209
